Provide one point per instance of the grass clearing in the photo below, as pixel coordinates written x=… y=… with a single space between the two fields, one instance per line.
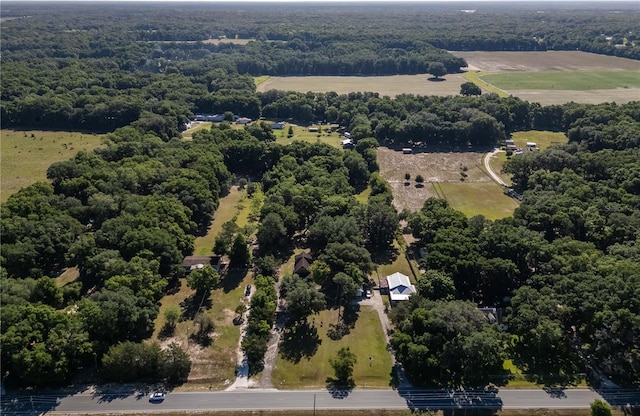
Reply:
x=399 y=264
x=312 y=371
x=559 y=80
x=25 y=155
x=227 y=210
x=302 y=133
x=486 y=199
x=543 y=139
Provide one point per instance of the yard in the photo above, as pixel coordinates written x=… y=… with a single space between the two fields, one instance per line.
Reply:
x=303 y=359
x=213 y=366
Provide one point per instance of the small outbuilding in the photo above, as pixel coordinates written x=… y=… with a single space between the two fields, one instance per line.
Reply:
x=400 y=287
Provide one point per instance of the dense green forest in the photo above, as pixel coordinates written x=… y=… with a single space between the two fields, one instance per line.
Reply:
x=566 y=265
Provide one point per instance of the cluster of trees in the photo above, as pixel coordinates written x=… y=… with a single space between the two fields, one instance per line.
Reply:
x=261 y=319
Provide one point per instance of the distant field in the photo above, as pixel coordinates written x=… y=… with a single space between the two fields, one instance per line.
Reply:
x=302 y=133
x=387 y=85
x=555 y=80
x=25 y=155
x=564 y=76
x=545 y=61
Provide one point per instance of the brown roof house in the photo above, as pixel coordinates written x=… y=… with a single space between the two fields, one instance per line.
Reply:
x=191 y=263
x=302 y=265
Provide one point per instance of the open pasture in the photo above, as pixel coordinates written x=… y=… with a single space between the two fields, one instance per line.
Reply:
x=542 y=139
x=545 y=61
x=557 y=77
x=552 y=80
x=384 y=85
x=25 y=155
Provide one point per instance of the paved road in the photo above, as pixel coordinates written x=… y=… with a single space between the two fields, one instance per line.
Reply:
x=296 y=400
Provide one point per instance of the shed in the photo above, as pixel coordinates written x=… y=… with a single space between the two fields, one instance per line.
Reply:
x=400 y=287
x=243 y=120
x=407 y=150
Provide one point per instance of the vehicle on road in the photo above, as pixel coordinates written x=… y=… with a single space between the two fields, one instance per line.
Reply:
x=247 y=291
x=368 y=294
x=156 y=397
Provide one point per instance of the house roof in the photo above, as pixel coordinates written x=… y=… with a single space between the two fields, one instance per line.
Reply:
x=400 y=287
x=302 y=263
x=197 y=262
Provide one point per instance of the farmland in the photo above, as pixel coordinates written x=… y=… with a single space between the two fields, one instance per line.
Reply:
x=383 y=85
x=552 y=77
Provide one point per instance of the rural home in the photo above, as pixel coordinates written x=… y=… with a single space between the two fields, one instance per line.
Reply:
x=407 y=150
x=278 y=126
x=313 y=130
x=191 y=263
x=400 y=287
x=510 y=144
x=302 y=264
x=243 y=120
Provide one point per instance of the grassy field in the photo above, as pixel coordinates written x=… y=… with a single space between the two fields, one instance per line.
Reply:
x=199 y=125
x=312 y=371
x=543 y=139
x=559 y=80
x=261 y=79
x=485 y=199
x=228 y=209
x=384 y=85
x=25 y=155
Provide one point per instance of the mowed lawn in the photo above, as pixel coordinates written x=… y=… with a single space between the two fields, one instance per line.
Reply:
x=302 y=133
x=564 y=80
x=365 y=340
x=25 y=155
x=481 y=198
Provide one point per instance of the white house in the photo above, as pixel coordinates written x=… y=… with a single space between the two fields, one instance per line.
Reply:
x=400 y=287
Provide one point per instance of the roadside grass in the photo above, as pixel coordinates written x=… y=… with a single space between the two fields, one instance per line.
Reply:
x=543 y=139
x=563 y=80
x=25 y=155
x=475 y=77
x=480 y=198
x=366 y=340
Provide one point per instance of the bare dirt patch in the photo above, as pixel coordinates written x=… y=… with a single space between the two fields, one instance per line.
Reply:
x=545 y=61
x=384 y=85
x=435 y=167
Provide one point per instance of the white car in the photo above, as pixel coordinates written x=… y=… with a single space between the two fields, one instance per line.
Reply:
x=368 y=294
x=156 y=397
